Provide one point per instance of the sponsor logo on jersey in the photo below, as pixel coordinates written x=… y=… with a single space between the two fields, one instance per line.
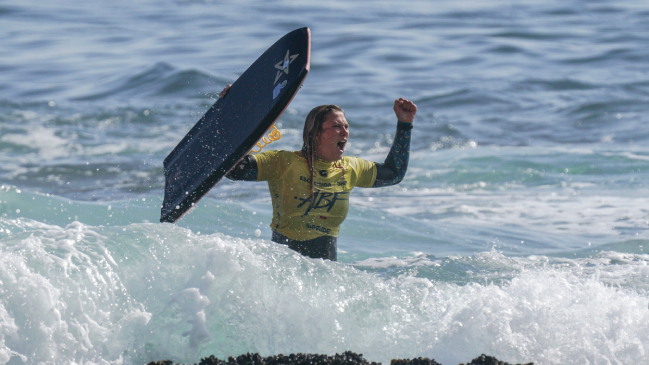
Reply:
x=318 y=228
x=322 y=200
x=318 y=184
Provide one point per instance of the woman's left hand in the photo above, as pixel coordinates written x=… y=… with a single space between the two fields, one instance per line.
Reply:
x=405 y=110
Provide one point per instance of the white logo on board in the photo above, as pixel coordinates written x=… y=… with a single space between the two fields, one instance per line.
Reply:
x=278 y=88
x=282 y=66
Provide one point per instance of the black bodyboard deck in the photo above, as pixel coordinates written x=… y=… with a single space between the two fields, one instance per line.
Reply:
x=234 y=124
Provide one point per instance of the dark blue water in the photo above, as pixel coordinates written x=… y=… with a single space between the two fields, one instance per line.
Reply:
x=519 y=230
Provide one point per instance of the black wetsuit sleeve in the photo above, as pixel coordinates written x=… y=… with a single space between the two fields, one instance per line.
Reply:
x=392 y=171
x=245 y=170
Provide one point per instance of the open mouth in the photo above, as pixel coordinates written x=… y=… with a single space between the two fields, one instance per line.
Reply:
x=341 y=145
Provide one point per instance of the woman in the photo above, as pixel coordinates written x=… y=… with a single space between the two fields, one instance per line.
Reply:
x=310 y=188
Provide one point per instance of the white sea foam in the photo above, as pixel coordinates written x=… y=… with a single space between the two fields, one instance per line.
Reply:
x=93 y=294
x=45 y=140
x=557 y=212
x=571 y=205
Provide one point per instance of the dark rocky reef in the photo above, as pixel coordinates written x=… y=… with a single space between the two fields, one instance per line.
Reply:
x=346 y=358
x=490 y=360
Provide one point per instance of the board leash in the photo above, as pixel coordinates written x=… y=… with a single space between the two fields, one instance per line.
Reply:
x=273 y=135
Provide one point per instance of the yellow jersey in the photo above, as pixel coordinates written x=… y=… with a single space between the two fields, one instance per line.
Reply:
x=295 y=214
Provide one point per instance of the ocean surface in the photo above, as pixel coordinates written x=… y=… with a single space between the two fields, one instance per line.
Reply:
x=520 y=231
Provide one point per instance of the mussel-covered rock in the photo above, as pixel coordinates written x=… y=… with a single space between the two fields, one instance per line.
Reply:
x=346 y=358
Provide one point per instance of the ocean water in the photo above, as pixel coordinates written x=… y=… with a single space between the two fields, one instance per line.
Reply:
x=520 y=230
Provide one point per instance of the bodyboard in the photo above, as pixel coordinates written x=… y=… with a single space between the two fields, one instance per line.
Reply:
x=233 y=125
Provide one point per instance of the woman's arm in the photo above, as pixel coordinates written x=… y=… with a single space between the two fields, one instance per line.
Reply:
x=392 y=171
x=245 y=170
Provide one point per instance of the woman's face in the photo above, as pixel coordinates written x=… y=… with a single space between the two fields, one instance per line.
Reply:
x=330 y=143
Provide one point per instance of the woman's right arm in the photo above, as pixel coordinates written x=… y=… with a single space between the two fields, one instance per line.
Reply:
x=245 y=170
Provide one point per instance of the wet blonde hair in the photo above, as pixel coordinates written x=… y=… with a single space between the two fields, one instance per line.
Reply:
x=312 y=128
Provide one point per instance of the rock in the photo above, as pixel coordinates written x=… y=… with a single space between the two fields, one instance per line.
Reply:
x=416 y=361
x=346 y=358
x=490 y=360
